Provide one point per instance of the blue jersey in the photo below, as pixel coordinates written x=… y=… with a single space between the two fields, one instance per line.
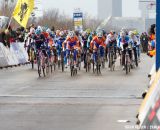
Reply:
x=120 y=40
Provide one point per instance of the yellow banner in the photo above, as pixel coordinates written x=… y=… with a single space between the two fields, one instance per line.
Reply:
x=23 y=11
x=77 y=23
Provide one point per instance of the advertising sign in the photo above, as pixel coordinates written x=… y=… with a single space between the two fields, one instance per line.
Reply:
x=78 y=20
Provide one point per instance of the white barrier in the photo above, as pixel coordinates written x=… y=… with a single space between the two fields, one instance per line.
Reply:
x=3 y=58
x=13 y=56
x=18 y=50
x=149 y=113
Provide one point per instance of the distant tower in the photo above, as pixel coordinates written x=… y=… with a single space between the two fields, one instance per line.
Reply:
x=108 y=8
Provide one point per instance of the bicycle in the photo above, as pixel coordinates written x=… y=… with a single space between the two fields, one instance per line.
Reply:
x=79 y=60
x=55 y=57
x=39 y=62
x=127 y=61
x=88 y=61
x=97 y=61
x=111 y=56
x=62 y=60
x=72 y=68
x=42 y=62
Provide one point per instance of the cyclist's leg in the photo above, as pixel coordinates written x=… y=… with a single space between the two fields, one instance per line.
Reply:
x=101 y=52
x=68 y=55
x=138 y=51
x=115 y=50
x=95 y=57
x=65 y=58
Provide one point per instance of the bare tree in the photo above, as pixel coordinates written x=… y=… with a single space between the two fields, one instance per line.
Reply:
x=61 y=21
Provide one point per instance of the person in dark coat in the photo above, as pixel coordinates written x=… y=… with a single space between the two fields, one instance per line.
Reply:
x=2 y=35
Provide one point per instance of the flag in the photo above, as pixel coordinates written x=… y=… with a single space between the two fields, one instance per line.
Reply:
x=23 y=11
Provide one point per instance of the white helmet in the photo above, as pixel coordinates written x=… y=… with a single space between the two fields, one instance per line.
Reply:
x=131 y=33
x=71 y=34
x=48 y=30
x=61 y=33
x=122 y=34
x=39 y=27
x=100 y=34
x=84 y=33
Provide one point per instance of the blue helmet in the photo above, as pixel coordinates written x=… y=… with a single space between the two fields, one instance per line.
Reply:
x=38 y=31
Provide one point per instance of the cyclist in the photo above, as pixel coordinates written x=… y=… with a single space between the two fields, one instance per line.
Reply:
x=72 y=42
x=90 y=37
x=29 y=41
x=96 y=43
x=59 y=42
x=134 y=43
x=123 y=43
x=112 y=42
x=84 y=46
x=40 y=41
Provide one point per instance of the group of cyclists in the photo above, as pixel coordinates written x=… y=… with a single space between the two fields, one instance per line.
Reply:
x=70 y=48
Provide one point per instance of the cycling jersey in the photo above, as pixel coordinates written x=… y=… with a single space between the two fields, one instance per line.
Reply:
x=96 y=42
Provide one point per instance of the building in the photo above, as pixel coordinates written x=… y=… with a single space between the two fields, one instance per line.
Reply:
x=148 y=12
x=107 y=8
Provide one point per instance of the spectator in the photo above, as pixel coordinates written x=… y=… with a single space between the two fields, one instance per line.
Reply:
x=7 y=38
x=2 y=35
x=20 y=35
x=144 y=41
x=12 y=35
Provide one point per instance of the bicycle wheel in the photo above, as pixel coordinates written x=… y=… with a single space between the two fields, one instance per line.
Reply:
x=126 y=68
x=62 y=66
x=97 y=68
x=39 y=70
x=44 y=74
x=59 y=64
x=32 y=62
x=62 y=61
x=72 y=71
x=111 y=61
x=51 y=68
x=86 y=67
x=127 y=65
x=47 y=68
x=54 y=66
x=93 y=67
x=32 y=58
x=89 y=67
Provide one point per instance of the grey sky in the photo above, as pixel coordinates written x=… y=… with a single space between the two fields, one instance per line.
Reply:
x=130 y=7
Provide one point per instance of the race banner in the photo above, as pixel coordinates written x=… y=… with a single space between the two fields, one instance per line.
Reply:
x=23 y=11
x=78 y=21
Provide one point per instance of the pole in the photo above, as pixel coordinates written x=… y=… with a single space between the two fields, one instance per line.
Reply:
x=9 y=22
x=157 y=35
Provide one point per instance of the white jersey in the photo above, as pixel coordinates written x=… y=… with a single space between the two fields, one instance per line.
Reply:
x=110 y=38
x=134 y=39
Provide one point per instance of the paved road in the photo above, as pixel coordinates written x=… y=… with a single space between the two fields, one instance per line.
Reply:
x=59 y=102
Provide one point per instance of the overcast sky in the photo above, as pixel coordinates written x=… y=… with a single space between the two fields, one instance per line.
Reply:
x=130 y=7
